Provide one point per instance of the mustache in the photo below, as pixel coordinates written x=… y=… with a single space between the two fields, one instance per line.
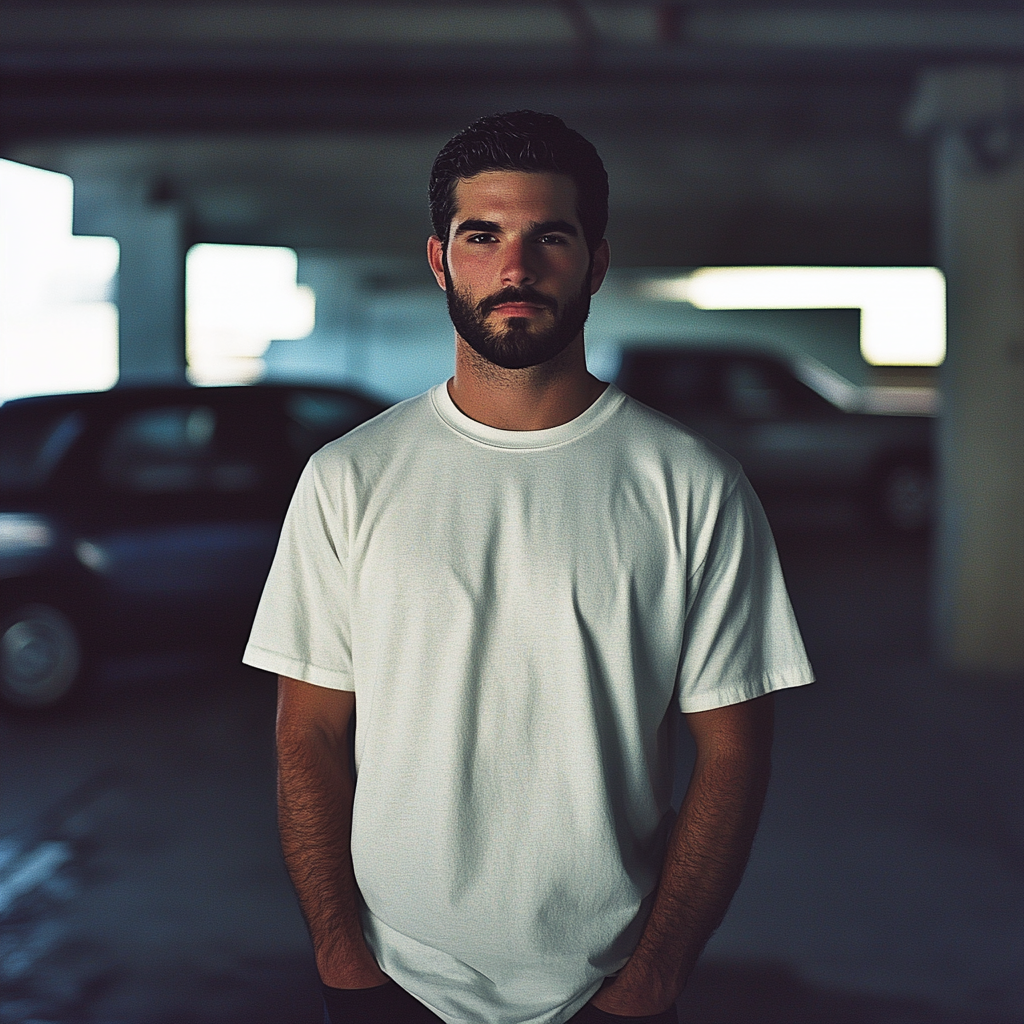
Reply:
x=527 y=294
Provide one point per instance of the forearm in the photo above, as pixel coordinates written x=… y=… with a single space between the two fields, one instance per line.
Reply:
x=704 y=862
x=706 y=856
x=315 y=795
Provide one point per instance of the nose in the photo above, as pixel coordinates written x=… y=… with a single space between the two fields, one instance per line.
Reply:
x=517 y=268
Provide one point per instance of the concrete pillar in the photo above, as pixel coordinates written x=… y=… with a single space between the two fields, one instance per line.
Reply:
x=975 y=116
x=330 y=352
x=151 y=277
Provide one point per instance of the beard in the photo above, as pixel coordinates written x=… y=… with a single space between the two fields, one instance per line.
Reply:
x=519 y=343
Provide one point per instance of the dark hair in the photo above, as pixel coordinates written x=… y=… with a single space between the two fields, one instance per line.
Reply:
x=522 y=140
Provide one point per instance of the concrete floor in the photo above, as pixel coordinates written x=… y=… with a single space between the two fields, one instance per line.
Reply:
x=140 y=881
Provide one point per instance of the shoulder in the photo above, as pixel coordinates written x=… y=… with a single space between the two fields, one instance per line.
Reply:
x=343 y=472
x=651 y=437
x=388 y=432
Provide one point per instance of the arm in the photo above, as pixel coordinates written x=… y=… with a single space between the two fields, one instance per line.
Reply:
x=315 y=790
x=706 y=855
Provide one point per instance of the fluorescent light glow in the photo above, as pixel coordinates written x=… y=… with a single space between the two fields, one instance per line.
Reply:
x=21 y=534
x=239 y=298
x=58 y=327
x=903 y=309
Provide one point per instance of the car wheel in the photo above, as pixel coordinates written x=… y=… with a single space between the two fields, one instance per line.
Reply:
x=40 y=657
x=906 y=497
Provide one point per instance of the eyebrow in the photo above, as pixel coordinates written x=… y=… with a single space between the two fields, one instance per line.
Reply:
x=543 y=228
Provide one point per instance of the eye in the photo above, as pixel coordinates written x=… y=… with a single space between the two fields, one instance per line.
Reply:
x=552 y=240
x=480 y=237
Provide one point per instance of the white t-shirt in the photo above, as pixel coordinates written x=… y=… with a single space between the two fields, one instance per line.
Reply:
x=520 y=614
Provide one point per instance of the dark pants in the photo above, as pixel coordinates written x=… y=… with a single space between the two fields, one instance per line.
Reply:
x=390 y=1004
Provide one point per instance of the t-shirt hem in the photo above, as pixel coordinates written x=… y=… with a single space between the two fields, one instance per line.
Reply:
x=563 y=1016
x=737 y=693
x=282 y=665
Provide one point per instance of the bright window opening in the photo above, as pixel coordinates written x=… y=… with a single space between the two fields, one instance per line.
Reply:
x=903 y=309
x=238 y=299
x=58 y=323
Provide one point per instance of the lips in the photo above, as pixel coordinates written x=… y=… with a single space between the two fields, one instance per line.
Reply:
x=518 y=309
x=517 y=302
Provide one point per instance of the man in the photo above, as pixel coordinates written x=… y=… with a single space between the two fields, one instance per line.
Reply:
x=515 y=583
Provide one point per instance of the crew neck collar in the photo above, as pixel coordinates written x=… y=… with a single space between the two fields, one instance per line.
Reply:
x=606 y=403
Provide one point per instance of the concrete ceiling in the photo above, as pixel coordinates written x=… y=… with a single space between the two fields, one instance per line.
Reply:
x=733 y=132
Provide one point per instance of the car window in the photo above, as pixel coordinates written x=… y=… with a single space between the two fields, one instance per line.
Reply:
x=317 y=417
x=32 y=445
x=802 y=400
x=181 y=449
x=751 y=393
x=763 y=389
x=679 y=383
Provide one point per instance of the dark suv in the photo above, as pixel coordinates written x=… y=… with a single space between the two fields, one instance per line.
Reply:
x=144 y=516
x=773 y=415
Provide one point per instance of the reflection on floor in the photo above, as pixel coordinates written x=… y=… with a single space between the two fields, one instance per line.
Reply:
x=140 y=880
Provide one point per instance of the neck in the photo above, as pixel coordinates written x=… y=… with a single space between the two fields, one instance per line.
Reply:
x=534 y=398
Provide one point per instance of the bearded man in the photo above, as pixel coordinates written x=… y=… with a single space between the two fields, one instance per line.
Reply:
x=515 y=584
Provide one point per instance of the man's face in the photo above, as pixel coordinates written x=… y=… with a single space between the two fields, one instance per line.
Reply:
x=516 y=269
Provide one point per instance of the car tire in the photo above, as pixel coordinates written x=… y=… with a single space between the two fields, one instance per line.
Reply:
x=41 y=657
x=905 y=497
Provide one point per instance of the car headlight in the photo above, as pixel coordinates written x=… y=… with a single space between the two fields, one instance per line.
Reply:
x=22 y=534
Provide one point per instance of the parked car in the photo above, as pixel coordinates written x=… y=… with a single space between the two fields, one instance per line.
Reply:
x=144 y=516
x=797 y=428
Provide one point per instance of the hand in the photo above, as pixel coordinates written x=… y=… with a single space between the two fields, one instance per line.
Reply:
x=621 y=997
x=362 y=974
x=362 y=1005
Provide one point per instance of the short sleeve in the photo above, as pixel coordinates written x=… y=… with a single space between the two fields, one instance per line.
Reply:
x=302 y=625
x=740 y=638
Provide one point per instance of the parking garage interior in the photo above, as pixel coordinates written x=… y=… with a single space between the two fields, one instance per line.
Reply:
x=140 y=878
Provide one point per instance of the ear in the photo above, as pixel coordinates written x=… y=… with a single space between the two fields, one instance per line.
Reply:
x=435 y=257
x=602 y=257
